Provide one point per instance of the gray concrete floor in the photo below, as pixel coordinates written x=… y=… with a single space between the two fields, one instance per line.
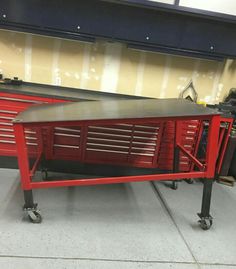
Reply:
x=116 y=226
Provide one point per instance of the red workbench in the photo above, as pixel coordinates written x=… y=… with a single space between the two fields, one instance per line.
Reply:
x=119 y=132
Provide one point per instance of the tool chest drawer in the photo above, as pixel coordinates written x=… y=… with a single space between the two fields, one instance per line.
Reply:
x=10 y=105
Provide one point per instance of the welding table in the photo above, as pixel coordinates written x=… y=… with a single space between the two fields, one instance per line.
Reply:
x=136 y=123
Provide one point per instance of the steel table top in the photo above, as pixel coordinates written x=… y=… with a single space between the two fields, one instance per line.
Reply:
x=59 y=92
x=112 y=110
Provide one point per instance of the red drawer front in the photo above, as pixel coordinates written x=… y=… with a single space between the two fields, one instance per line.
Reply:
x=10 y=106
x=124 y=144
x=121 y=144
x=189 y=138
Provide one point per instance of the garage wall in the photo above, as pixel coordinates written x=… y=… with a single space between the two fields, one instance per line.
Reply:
x=111 y=67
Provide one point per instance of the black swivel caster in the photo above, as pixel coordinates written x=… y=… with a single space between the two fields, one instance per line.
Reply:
x=174 y=185
x=33 y=214
x=205 y=223
x=44 y=173
x=189 y=180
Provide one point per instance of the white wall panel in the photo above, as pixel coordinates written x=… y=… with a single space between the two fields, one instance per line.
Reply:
x=226 y=6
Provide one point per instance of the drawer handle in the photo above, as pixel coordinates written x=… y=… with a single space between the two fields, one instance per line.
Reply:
x=21 y=100
x=8 y=112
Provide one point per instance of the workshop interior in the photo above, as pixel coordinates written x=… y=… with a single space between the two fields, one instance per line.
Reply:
x=117 y=134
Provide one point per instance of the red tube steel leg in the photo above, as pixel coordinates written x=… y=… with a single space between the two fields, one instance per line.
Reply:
x=23 y=161
x=30 y=207
x=212 y=146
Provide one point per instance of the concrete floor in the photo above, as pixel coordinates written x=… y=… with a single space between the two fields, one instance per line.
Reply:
x=116 y=226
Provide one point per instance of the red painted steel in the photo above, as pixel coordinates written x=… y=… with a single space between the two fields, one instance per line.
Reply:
x=191 y=157
x=224 y=133
x=36 y=163
x=189 y=137
x=199 y=136
x=223 y=145
x=10 y=106
x=212 y=146
x=23 y=161
x=113 y=142
x=115 y=180
x=122 y=142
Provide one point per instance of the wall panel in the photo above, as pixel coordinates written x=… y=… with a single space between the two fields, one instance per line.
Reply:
x=111 y=67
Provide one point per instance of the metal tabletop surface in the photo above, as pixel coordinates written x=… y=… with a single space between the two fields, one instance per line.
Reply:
x=115 y=109
x=59 y=92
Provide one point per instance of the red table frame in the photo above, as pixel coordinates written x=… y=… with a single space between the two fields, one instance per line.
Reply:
x=206 y=170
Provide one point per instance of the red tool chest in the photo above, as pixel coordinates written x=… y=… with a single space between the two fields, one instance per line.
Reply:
x=146 y=145
x=10 y=105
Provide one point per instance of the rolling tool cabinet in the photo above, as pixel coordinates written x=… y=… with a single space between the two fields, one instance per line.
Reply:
x=10 y=105
x=119 y=132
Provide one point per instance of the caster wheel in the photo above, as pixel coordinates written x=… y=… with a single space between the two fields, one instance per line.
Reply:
x=44 y=174
x=205 y=224
x=189 y=181
x=34 y=216
x=174 y=185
